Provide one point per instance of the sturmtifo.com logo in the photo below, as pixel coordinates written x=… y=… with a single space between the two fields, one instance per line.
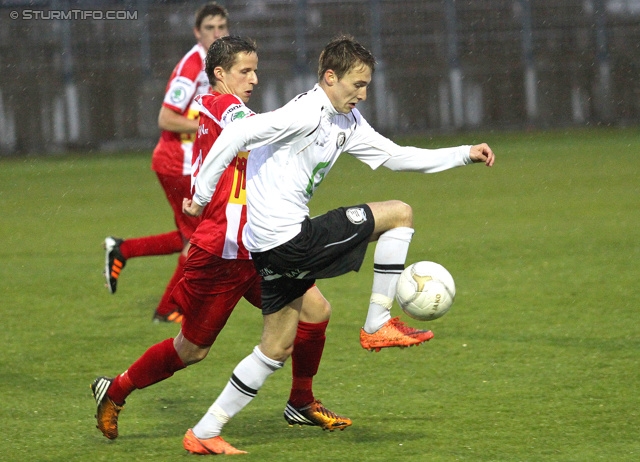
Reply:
x=81 y=15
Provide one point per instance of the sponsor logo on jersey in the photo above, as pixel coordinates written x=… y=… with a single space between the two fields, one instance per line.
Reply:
x=178 y=94
x=202 y=130
x=356 y=215
x=316 y=177
x=230 y=110
x=238 y=115
x=341 y=139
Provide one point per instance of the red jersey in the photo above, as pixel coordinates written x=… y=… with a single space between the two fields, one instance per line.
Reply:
x=173 y=153
x=223 y=219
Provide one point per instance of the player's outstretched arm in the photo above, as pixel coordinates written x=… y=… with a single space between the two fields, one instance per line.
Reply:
x=482 y=153
x=190 y=208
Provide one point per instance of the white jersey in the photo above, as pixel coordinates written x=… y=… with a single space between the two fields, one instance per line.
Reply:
x=292 y=149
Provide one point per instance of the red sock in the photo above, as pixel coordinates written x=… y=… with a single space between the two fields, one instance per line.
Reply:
x=166 y=306
x=305 y=360
x=121 y=387
x=156 y=364
x=160 y=244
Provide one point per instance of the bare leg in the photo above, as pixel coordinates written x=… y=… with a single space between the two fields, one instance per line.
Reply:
x=389 y=215
x=189 y=353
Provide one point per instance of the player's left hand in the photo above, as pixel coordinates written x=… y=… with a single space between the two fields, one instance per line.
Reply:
x=190 y=208
x=482 y=153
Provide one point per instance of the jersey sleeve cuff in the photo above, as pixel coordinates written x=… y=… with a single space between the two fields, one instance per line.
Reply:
x=466 y=158
x=200 y=200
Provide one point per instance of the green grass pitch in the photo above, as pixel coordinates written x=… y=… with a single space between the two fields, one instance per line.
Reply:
x=538 y=359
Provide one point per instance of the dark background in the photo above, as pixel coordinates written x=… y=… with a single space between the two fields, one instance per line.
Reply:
x=444 y=65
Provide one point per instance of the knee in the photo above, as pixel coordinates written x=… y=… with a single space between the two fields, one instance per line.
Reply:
x=403 y=213
x=325 y=311
x=320 y=311
x=190 y=353
x=192 y=358
x=316 y=308
x=195 y=356
x=276 y=346
x=277 y=352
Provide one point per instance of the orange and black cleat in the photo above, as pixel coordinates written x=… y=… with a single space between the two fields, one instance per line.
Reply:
x=215 y=445
x=394 y=333
x=114 y=262
x=315 y=414
x=175 y=316
x=107 y=411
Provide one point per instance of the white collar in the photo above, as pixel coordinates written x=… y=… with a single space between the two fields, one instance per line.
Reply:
x=327 y=108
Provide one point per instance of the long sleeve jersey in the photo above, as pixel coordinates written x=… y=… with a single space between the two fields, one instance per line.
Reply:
x=172 y=154
x=220 y=231
x=292 y=150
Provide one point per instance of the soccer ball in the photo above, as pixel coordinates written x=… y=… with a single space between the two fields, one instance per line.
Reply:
x=425 y=290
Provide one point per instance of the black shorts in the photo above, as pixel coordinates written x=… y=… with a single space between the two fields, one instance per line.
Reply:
x=327 y=246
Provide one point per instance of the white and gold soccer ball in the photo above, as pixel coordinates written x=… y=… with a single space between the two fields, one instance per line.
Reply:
x=425 y=290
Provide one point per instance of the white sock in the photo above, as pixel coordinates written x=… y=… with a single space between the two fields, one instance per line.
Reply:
x=247 y=378
x=388 y=263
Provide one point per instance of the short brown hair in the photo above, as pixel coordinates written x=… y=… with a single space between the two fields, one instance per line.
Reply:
x=210 y=9
x=222 y=53
x=342 y=54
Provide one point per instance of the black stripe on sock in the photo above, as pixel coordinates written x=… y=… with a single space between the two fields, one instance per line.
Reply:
x=241 y=387
x=395 y=269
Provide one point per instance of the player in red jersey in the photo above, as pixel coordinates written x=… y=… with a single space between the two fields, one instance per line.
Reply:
x=219 y=271
x=178 y=120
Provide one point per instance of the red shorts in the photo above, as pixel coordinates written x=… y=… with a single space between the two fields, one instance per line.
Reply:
x=209 y=291
x=177 y=188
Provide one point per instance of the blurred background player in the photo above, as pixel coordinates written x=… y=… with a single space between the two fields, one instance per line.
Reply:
x=219 y=271
x=178 y=121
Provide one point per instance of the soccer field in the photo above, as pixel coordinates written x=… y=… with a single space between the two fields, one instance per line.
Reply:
x=538 y=359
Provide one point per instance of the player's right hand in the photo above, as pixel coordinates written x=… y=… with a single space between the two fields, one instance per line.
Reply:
x=482 y=153
x=190 y=208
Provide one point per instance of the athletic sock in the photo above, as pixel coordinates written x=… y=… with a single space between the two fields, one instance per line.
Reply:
x=247 y=378
x=388 y=263
x=120 y=388
x=305 y=360
x=165 y=306
x=159 y=244
x=159 y=362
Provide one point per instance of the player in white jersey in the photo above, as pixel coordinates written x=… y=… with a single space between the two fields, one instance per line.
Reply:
x=292 y=149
